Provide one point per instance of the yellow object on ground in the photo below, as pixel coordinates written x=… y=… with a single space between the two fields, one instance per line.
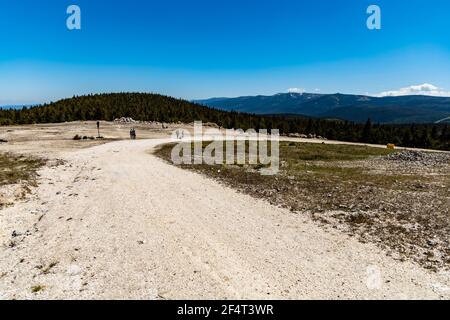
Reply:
x=391 y=146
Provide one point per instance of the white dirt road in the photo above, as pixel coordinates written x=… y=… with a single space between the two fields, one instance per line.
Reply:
x=115 y=222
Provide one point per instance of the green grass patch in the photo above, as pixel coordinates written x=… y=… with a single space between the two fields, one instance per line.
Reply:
x=328 y=152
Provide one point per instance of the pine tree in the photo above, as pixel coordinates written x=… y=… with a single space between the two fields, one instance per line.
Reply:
x=367 y=132
x=153 y=107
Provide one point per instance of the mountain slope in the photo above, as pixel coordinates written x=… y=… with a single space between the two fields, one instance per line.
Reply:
x=405 y=109
x=277 y=104
x=154 y=107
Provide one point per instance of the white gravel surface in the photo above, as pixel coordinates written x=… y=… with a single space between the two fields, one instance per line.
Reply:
x=115 y=222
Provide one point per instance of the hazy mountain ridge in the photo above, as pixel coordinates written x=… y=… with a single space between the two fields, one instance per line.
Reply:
x=403 y=109
x=15 y=107
x=6 y=107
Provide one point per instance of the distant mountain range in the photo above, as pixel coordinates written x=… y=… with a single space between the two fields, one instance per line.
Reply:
x=358 y=108
x=16 y=106
x=10 y=107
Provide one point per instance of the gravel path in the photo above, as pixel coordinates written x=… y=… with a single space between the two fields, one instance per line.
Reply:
x=117 y=222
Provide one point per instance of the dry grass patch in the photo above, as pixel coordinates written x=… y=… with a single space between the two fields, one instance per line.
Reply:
x=16 y=168
x=17 y=176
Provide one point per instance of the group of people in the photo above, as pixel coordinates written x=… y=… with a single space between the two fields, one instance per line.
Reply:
x=180 y=134
x=133 y=134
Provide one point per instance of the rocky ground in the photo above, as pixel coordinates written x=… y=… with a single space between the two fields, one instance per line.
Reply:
x=419 y=158
x=399 y=201
x=409 y=217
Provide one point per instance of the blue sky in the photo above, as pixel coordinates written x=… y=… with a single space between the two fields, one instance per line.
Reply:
x=204 y=48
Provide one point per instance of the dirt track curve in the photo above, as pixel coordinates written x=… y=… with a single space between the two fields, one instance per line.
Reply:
x=116 y=222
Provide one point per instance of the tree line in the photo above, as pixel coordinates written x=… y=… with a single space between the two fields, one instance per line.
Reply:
x=155 y=107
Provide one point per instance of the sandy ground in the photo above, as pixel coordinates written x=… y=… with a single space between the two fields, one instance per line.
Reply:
x=115 y=222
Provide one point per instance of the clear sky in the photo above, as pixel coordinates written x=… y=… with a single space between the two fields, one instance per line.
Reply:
x=205 y=48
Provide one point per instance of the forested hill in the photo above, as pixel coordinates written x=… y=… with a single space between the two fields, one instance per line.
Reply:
x=140 y=106
x=154 y=107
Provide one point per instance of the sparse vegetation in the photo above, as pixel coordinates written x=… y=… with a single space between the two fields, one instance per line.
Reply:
x=356 y=190
x=48 y=268
x=16 y=168
x=20 y=171
x=329 y=152
x=78 y=137
x=38 y=288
